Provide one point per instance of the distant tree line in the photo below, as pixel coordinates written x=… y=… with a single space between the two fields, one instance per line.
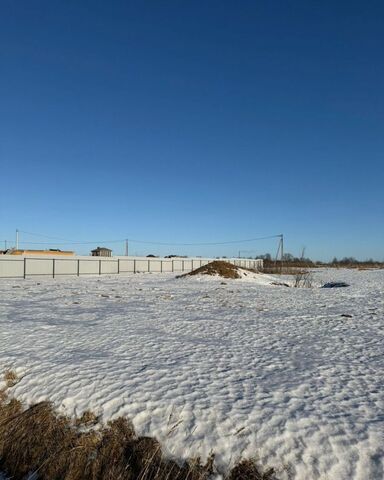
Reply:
x=287 y=258
x=352 y=261
x=292 y=260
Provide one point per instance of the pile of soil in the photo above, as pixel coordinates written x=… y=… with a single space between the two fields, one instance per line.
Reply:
x=216 y=268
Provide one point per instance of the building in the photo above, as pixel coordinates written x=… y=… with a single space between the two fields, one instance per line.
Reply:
x=52 y=251
x=101 y=252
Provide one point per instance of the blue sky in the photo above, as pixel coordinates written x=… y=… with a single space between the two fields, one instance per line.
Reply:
x=193 y=121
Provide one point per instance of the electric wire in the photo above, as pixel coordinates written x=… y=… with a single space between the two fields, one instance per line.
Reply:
x=146 y=242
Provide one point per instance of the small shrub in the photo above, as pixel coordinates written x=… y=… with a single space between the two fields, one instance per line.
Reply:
x=303 y=280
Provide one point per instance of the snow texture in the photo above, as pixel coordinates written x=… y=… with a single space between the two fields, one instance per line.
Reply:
x=237 y=367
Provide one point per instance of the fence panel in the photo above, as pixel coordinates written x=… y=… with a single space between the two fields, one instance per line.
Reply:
x=88 y=267
x=167 y=266
x=126 y=265
x=177 y=265
x=38 y=266
x=141 y=266
x=155 y=265
x=196 y=264
x=187 y=265
x=109 y=266
x=11 y=267
x=65 y=267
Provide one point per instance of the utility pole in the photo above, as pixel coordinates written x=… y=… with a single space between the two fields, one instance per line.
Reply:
x=282 y=250
x=126 y=247
x=17 y=239
x=277 y=256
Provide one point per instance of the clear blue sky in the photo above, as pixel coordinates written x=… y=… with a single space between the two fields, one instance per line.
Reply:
x=194 y=121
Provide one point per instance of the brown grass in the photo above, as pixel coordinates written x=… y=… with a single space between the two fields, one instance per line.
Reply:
x=88 y=418
x=38 y=440
x=248 y=470
x=10 y=378
x=217 y=267
x=283 y=270
x=297 y=267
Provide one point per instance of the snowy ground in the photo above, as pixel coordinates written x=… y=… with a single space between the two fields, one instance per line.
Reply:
x=241 y=368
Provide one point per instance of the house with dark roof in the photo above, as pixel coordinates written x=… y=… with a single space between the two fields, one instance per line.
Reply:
x=101 y=252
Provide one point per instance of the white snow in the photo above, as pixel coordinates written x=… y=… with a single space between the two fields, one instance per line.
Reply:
x=238 y=367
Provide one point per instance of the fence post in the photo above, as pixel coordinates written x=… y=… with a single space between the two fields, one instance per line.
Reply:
x=173 y=268
x=149 y=267
x=182 y=266
x=78 y=267
x=25 y=268
x=161 y=266
x=99 y=267
x=53 y=268
x=118 y=265
x=134 y=266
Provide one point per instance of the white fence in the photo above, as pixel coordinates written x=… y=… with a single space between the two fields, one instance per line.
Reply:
x=24 y=266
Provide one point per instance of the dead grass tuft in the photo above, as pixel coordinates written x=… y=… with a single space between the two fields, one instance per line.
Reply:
x=10 y=378
x=87 y=419
x=249 y=470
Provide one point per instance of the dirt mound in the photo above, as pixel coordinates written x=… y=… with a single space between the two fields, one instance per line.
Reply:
x=216 y=268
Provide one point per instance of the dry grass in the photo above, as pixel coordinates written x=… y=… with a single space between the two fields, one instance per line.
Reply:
x=218 y=267
x=248 y=470
x=37 y=440
x=40 y=441
x=303 y=280
x=283 y=270
x=10 y=378
x=87 y=419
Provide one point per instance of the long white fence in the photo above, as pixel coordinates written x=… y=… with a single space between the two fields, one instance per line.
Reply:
x=24 y=266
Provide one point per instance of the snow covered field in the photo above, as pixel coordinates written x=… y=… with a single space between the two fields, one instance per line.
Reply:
x=242 y=368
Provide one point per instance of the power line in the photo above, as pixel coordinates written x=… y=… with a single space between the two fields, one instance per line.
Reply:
x=205 y=243
x=230 y=242
x=72 y=243
x=45 y=236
